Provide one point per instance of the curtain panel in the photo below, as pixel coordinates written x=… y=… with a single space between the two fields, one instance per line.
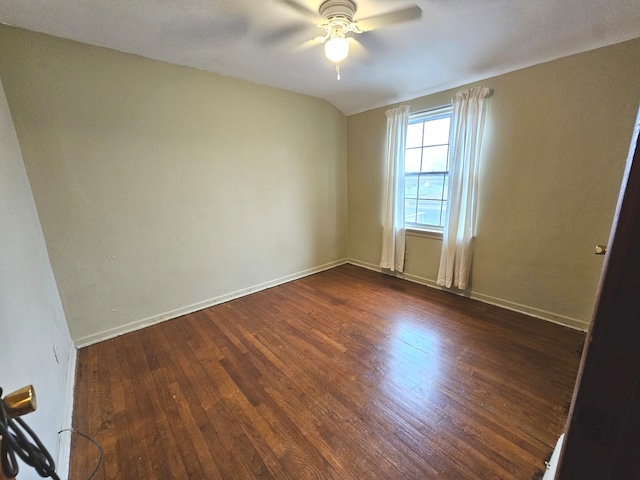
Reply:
x=393 y=239
x=465 y=140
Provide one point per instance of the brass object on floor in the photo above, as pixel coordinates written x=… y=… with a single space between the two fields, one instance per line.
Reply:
x=21 y=401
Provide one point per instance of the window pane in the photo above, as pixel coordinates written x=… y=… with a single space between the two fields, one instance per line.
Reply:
x=414 y=135
x=436 y=132
x=411 y=186
x=410 y=210
x=434 y=159
x=431 y=186
x=426 y=168
x=412 y=160
x=429 y=212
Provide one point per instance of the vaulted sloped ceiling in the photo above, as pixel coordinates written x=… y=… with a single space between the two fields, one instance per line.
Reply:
x=453 y=43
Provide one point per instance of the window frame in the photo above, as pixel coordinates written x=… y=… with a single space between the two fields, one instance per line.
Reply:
x=437 y=113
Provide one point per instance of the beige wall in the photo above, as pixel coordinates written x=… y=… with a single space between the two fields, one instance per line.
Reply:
x=36 y=345
x=161 y=188
x=557 y=138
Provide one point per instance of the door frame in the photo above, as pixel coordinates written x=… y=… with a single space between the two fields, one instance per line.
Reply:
x=602 y=439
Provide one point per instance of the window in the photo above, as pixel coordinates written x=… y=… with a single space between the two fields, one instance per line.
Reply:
x=426 y=169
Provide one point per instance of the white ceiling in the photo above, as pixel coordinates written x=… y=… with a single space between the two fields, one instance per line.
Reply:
x=455 y=42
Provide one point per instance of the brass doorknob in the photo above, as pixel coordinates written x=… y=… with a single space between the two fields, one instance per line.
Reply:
x=601 y=249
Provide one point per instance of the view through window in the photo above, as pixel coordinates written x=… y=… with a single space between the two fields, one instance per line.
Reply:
x=427 y=169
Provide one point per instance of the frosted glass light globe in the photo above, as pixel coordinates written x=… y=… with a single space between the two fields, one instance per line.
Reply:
x=336 y=49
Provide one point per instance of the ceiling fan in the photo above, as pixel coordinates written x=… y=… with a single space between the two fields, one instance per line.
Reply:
x=336 y=18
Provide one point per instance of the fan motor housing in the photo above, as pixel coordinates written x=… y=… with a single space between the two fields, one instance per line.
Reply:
x=332 y=9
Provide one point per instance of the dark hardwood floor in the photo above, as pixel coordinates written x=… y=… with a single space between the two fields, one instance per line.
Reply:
x=346 y=374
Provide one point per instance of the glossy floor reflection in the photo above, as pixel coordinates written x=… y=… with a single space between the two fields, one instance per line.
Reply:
x=345 y=375
x=413 y=364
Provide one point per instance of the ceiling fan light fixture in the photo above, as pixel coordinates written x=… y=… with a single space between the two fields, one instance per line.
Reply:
x=336 y=48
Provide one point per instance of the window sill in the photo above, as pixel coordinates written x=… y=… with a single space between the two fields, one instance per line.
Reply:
x=414 y=232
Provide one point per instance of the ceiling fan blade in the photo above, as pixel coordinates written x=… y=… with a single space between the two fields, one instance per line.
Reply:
x=301 y=9
x=359 y=52
x=391 y=18
x=310 y=43
x=288 y=35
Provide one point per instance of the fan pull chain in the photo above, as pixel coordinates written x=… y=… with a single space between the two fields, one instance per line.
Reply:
x=338 y=70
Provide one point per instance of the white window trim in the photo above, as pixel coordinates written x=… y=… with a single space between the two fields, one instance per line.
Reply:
x=431 y=114
x=423 y=233
x=430 y=231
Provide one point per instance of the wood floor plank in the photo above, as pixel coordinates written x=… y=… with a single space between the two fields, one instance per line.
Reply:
x=347 y=374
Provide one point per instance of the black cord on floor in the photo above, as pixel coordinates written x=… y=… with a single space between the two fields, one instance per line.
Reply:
x=16 y=440
x=95 y=470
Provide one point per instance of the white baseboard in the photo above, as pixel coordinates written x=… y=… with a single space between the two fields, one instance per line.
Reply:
x=563 y=320
x=368 y=266
x=146 y=322
x=64 y=438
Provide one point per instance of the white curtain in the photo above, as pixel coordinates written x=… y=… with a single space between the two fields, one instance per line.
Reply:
x=465 y=139
x=393 y=220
